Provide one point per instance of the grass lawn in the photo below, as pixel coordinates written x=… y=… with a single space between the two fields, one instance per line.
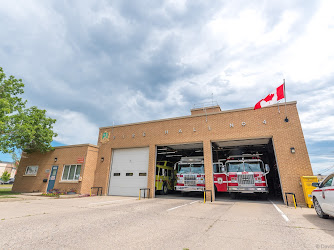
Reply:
x=6 y=186
x=6 y=191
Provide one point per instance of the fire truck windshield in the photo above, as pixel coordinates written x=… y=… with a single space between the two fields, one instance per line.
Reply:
x=191 y=168
x=235 y=166
x=184 y=168
x=197 y=168
x=253 y=167
x=244 y=166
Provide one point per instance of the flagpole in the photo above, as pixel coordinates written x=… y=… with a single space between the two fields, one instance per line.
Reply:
x=286 y=116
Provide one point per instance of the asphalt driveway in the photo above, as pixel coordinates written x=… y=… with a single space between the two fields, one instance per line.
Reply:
x=162 y=223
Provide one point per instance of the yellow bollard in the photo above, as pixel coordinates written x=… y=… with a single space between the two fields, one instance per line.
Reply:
x=294 y=201
x=139 y=194
x=204 y=196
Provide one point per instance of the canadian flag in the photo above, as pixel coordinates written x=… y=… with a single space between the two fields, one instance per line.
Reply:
x=272 y=98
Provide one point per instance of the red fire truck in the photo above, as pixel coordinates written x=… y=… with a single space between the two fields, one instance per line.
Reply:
x=241 y=174
x=190 y=174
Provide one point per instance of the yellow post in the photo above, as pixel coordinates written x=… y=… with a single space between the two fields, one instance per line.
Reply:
x=294 y=200
x=139 y=194
x=204 y=196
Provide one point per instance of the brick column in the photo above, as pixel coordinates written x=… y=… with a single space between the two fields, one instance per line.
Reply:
x=207 y=150
x=151 y=170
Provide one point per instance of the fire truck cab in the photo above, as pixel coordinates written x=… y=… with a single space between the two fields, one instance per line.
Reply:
x=241 y=174
x=190 y=174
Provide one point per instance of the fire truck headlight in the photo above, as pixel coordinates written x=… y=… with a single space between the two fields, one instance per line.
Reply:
x=258 y=179
x=180 y=180
x=233 y=179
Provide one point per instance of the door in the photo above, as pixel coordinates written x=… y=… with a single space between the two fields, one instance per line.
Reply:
x=128 y=173
x=328 y=195
x=219 y=178
x=52 y=178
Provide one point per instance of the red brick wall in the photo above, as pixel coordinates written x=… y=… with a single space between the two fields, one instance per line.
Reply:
x=215 y=127
x=65 y=156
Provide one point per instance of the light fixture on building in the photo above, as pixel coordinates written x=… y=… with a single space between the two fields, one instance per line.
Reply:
x=56 y=159
x=292 y=150
x=102 y=159
x=173 y=155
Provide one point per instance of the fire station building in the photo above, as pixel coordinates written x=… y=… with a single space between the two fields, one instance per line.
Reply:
x=126 y=156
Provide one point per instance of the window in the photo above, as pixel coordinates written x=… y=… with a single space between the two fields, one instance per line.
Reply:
x=129 y=174
x=142 y=174
x=71 y=172
x=328 y=183
x=216 y=168
x=197 y=168
x=117 y=174
x=31 y=170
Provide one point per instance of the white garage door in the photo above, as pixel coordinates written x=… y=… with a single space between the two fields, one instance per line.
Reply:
x=128 y=171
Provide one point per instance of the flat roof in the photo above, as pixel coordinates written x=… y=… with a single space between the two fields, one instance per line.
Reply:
x=189 y=116
x=78 y=145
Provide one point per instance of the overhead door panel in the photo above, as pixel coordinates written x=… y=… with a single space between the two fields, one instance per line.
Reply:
x=128 y=171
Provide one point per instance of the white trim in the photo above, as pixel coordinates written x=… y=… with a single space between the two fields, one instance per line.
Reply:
x=68 y=181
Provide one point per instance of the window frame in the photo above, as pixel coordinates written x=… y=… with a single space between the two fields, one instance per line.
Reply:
x=27 y=174
x=69 y=170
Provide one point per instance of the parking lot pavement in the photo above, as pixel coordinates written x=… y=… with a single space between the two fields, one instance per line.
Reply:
x=177 y=223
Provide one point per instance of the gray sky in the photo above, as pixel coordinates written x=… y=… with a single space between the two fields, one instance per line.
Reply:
x=90 y=63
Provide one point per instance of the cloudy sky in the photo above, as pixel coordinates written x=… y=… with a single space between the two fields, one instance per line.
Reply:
x=92 y=63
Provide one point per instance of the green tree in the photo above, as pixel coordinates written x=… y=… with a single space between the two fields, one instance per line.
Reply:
x=26 y=129
x=16 y=159
x=5 y=176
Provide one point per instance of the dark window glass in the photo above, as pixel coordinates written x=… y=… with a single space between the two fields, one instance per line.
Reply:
x=129 y=174
x=117 y=174
x=142 y=174
x=216 y=168
x=329 y=182
x=65 y=173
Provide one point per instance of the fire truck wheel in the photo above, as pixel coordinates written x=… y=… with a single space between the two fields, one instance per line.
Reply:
x=233 y=196
x=164 y=189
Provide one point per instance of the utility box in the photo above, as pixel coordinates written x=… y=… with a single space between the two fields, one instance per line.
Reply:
x=308 y=188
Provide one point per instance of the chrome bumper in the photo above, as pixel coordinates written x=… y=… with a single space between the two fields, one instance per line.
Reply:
x=248 y=189
x=189 y=188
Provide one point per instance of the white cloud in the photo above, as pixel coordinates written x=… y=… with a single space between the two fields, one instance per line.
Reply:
x=73 y=127
x=90 y=63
